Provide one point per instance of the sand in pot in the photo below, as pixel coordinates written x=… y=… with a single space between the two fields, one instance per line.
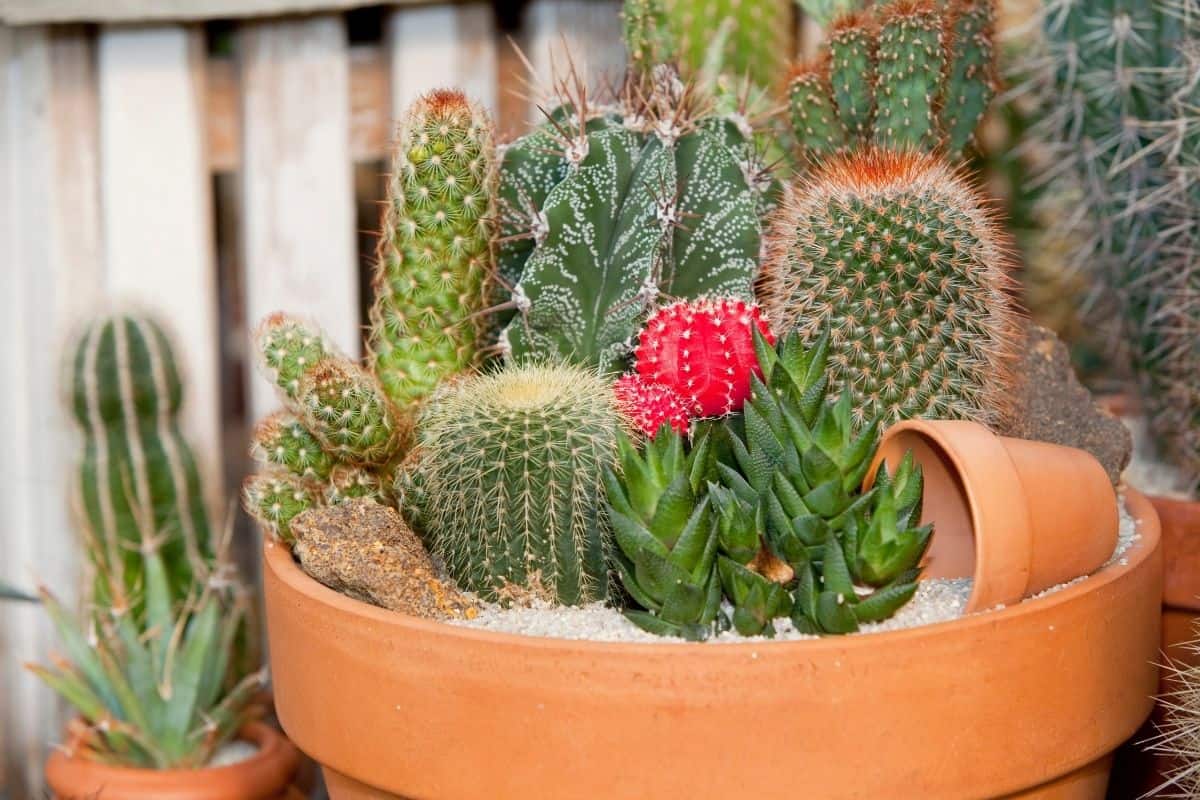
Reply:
x=365 y=550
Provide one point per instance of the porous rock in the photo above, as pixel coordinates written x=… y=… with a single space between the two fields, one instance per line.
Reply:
x=1053 y=406
x=366 y=551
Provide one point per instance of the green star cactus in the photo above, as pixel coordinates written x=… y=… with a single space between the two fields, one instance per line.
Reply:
x=136 y=469
x=906 y=74
x=1118 y=119
x=904 y=262
x=505 y=483
x=652 y=201
x=435 y=252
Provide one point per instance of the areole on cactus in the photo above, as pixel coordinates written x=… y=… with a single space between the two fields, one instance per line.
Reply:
x=649 y=405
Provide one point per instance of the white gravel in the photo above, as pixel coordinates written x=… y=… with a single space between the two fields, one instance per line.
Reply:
x=232 y=752
x=936 y=600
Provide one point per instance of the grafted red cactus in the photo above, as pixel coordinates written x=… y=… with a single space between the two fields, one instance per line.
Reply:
x=703 y=350
x=648 y=405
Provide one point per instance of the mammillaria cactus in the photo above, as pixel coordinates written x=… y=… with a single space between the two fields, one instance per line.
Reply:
x=905 y=74
x=643 y=200
x=703 y=350
x=435 y=252
x=276 y=498
x=906 y=266
x=1118 y=99
x=281 y=439
x=345 y=409
x=505 y=482
x=136 y=469
x=287 y=347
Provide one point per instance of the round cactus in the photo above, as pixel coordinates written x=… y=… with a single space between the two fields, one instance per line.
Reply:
x=703 y=350
x=649 y=405
x=900 y=259
x=346 y=410
x=507 y=484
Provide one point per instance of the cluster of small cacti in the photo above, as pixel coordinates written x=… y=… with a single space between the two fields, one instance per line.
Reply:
x=779 y=527
x=905 y=264
x=1117 y=117
x=909 y=74
x=338 y=436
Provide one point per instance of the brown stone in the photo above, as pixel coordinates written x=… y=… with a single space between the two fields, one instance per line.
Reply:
x=1053 y=406
x=366 y=551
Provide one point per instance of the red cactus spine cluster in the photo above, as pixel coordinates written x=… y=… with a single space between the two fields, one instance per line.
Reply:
x=649 y=405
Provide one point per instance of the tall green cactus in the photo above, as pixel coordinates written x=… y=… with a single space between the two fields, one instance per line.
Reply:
x=138 y=485
x=905 y=74
x=435 y=253
x=652 y=201
x=505 y=483
x=1118 y=118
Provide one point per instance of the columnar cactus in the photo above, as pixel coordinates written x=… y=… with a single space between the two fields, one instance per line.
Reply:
x=620 y=207
x=505 y=482
x=138 y=485
x=435 y=252
x=905 y=74
x=901 y=259
x=1118 y=118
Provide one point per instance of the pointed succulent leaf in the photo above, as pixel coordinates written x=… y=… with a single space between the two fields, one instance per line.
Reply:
x=835 y=614
x=885 y=602
x=835 y=570
x=633 y=538
x=640 y=596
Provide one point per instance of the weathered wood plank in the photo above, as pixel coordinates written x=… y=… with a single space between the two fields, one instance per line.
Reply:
x=584 y=32
x=156 y=201
x=53 y=275
x=442 y=46
x=26 y=12
x=297 y=186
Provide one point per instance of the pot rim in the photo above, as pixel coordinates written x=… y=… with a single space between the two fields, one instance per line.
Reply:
x=278 y=558
x=272 y=744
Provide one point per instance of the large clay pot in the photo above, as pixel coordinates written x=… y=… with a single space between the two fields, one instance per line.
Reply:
x=1017 y=516
x=267 y=775
x=1024 y=702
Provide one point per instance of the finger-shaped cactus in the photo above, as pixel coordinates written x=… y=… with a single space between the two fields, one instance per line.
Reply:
x=852 y=73
x=281 y=440
x=901 y=259
x=350 y=481
x=276 y=498
x=435 y=253
x=816 y=123
x=137 y=476
x=911 y=63
x=286 y=347
x=505 y=484
x=345 y=408
x=970 y=82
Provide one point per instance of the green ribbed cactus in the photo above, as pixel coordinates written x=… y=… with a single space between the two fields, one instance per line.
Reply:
x=900 y=258
x=906 y=74
x=652 y=201
x=137 y=482
x=435 y=252
x=505 y=484
x=1118 y=120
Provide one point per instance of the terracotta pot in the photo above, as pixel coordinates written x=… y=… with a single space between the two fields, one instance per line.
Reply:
x=266 y=775
x=1017 y=516
x=1027 y=701
x=1181 y=571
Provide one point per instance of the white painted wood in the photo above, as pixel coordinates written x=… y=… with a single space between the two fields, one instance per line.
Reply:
x=156 y=202
x=297 y=182
x=25 y=12
x=442 y=46
x=585 y=32
x=51 y=277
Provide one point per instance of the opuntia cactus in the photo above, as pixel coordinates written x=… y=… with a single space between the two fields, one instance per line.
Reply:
x=703 y=350
x=649 y=405
x=905 y=74
x=905 y=264
x=136 y=472
x=505 y=483
x=435 y=252
x=652 y=202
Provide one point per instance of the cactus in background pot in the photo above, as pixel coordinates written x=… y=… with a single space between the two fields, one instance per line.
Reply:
x=137 y=469
x=435 y=252
x=505 y=484
x=646 y=199
x=902 y=260
x=1118 y=116
x=905 y=74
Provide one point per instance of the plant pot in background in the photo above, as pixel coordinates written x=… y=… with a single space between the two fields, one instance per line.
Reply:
x=1181 y=574
x=1017 y=516
x=1031 y=700
x=267 y=775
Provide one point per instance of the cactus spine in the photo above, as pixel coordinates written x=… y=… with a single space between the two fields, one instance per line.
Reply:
x=435 y=253
x=899 y=257
x=138 y=484
x=505 y=483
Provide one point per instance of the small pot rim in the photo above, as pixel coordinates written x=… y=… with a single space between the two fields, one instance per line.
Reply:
x=272 y=765
x=277 y=557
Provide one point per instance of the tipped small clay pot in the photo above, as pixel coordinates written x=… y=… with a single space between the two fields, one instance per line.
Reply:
x=266 y=775
x=1016 y=516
